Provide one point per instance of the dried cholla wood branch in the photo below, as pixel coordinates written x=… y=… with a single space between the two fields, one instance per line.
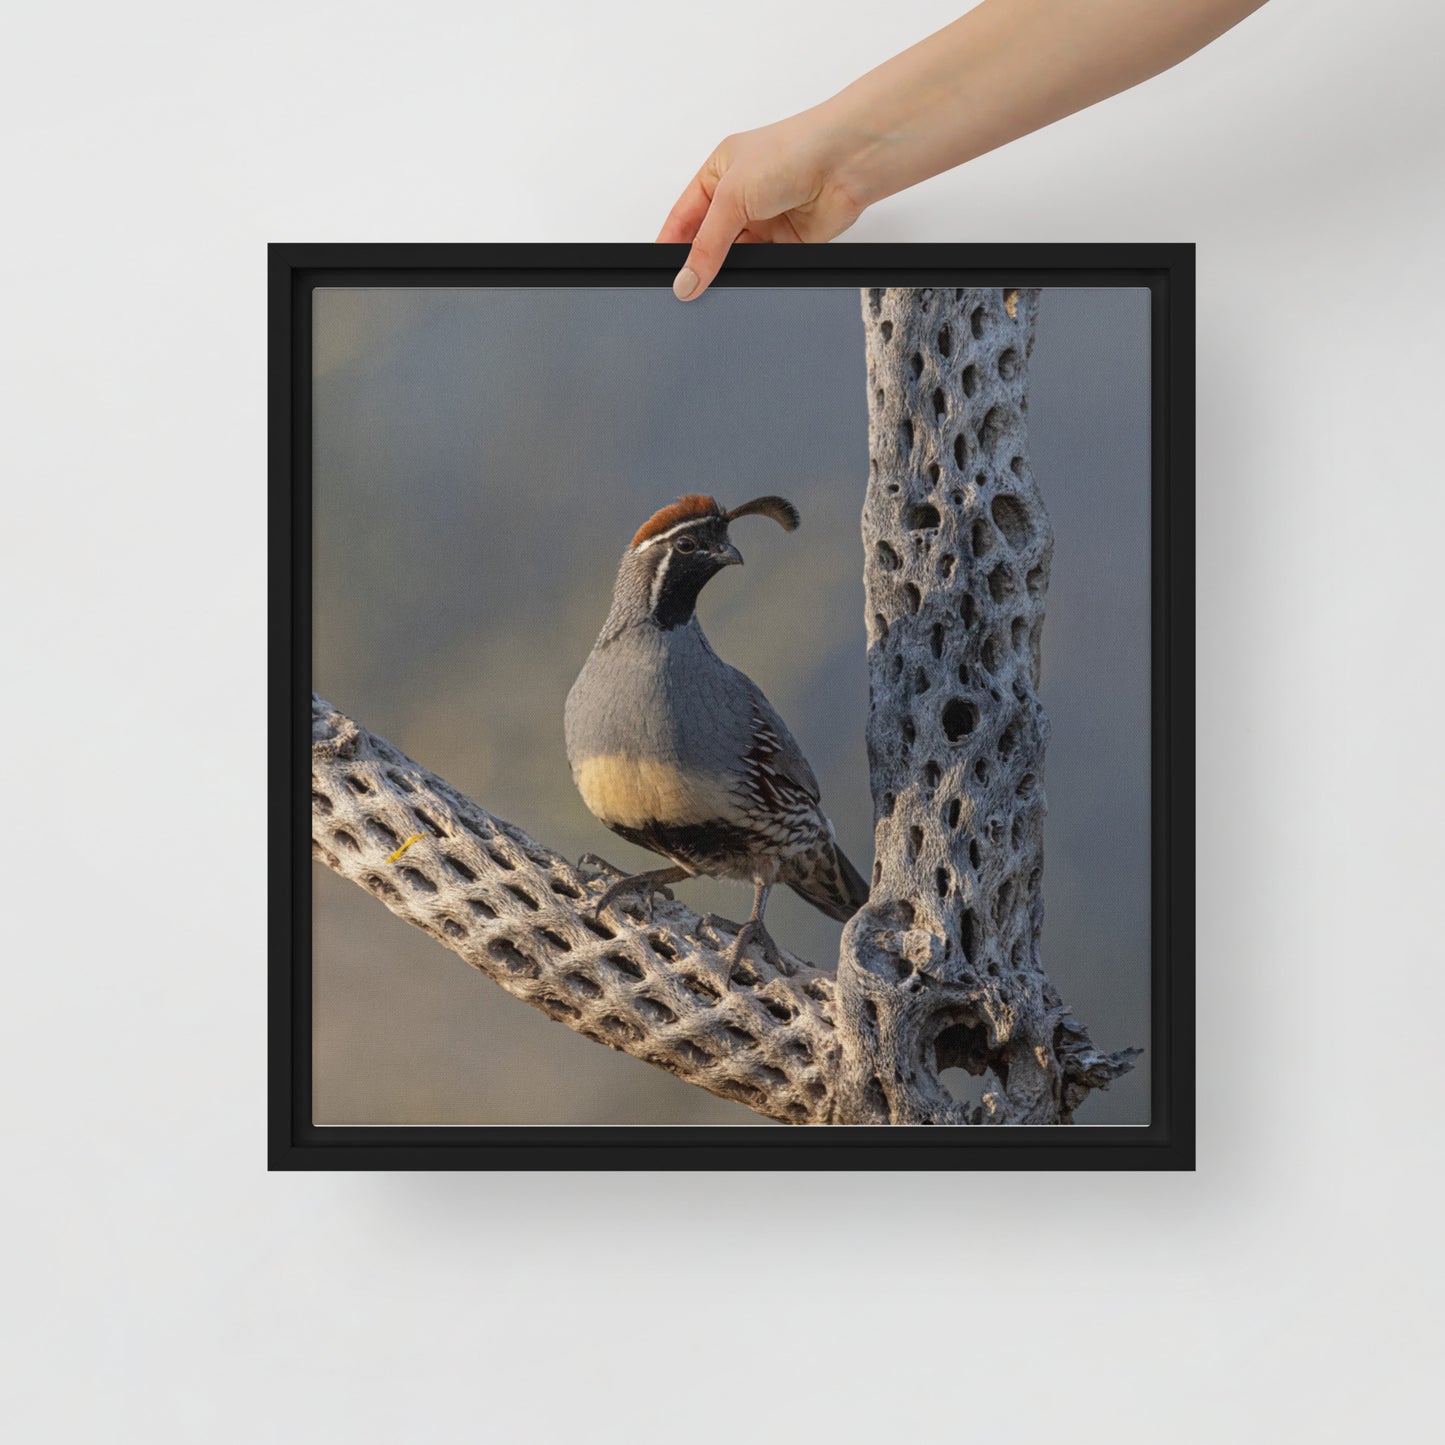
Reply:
x=522 y=915
x=942 y=967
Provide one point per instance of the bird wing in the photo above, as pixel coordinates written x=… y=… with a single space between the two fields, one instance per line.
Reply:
x=726 y=729
x=776 y=768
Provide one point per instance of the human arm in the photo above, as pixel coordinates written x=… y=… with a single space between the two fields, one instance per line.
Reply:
x=1004 y=69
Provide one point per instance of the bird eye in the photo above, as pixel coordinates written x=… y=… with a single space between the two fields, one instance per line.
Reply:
x=686 y=544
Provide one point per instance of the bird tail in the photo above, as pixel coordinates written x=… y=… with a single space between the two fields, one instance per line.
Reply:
x=827 y=880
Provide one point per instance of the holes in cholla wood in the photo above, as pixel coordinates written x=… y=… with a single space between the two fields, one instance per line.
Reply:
x=785 y=1013
x=624 y=966
x=462 y=870
x=691 y=1054
x=582 y=985
x=1012 y=520
x=967 y=1090
x=1001 y=585
x=704 y=992
x=992 y=429
x=505 y=951
x=744 y=975
x=959 y=718
x=617 y=1030
x=522 y=896
x=654 y=1010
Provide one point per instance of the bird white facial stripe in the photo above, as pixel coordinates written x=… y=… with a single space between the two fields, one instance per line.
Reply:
x=673 y=531
x=637 y=791
x=658 y=582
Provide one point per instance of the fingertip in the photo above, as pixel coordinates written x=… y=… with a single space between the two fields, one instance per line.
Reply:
x=685 y=284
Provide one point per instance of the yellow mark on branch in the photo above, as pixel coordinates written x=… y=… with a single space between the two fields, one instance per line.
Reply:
x=1011 y=303
x=392 y=857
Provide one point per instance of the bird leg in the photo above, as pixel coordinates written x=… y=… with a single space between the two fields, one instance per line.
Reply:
x=644 y=883
x=754 y=929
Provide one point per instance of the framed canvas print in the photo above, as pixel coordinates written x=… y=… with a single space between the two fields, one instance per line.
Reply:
x=593 y=848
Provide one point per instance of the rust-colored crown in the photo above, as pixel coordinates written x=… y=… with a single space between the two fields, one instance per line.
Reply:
x=684 y=508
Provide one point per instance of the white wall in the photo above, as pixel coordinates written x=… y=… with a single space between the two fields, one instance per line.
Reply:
x=162 y=1287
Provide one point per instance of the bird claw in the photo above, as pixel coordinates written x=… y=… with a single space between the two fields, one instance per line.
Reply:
x=646 y=891
x=754 y=931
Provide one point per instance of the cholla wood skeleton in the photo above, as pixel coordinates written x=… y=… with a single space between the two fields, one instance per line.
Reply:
x=941 y=968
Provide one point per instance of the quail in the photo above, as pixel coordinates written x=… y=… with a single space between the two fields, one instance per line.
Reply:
x=681 y=754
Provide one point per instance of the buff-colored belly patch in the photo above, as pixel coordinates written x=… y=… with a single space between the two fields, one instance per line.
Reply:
x=638 y=791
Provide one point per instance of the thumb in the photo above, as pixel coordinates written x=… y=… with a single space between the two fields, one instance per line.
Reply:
x=726 y=217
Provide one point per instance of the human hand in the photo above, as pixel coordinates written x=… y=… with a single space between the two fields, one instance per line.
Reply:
x=782 y=182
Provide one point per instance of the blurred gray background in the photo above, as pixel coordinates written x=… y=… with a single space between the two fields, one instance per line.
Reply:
x=482 y=458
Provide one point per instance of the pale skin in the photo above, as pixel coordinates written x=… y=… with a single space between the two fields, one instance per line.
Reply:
x=1006 y=68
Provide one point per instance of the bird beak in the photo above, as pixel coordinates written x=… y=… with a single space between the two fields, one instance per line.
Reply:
x=728 y=556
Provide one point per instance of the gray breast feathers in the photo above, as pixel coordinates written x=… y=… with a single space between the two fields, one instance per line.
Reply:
x=697 y=733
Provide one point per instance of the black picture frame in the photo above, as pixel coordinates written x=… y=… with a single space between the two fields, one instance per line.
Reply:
x=1167 y=1142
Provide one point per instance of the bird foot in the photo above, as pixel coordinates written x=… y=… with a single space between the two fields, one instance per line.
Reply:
x=753 y=931
x=646 y=885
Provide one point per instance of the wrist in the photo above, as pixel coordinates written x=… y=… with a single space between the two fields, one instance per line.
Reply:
x=859 y=152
